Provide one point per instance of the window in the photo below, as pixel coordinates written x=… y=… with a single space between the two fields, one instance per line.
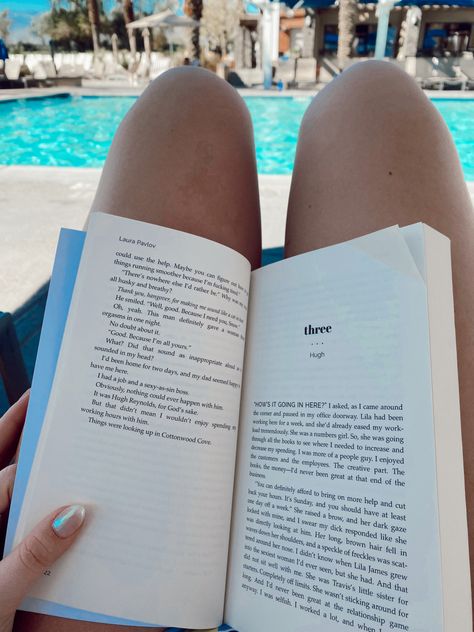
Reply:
x=364 y=40
x=446 y=37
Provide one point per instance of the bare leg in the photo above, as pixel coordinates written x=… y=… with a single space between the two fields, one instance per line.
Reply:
x=184 y=158
x=374 y=152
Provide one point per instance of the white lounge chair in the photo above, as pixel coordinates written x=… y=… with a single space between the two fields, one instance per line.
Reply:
x=12 y=69
x=306 y=71
x=466 y=66
x=159 y=64
x=285 y=72
x=435 y=74
x=68 y=70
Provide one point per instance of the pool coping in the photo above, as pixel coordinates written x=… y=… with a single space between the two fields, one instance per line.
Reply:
x=135 y=91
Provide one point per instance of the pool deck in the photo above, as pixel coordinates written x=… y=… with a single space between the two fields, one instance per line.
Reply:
x=105 y=89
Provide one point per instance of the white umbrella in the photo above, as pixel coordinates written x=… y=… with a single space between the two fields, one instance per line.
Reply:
x=150 y=20
x=179 y=21
x=164 y=19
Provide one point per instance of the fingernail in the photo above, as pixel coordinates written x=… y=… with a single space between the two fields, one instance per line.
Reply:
x=69 y=520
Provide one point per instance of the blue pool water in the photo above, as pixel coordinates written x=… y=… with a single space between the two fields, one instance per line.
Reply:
x=77 y=131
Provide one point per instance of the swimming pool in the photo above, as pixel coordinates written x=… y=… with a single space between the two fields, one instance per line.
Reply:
x=77 y=131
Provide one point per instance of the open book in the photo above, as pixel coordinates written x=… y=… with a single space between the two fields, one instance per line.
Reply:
x=278 y=449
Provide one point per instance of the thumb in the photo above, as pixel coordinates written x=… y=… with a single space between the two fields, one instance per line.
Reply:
x=37 y=552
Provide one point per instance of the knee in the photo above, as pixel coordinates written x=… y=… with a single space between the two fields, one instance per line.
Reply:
x=194 y=97
x=188 y=79
x=375 y=72
x=373 y=94
x=187 y=83
x=382 y=82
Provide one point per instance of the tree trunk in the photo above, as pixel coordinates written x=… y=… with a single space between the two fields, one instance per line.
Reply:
x=347 y=22
x=129 y=16
x=127 y=7
x=93 y=13
x=193 y=8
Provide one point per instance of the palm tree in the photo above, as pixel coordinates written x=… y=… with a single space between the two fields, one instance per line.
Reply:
x=93 y=13
x=219 y=24
x=129 y=16
x=5 y=24
x=193 y=8
x=347 y=22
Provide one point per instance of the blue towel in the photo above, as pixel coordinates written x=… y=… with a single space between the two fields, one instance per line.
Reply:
x=3 y=50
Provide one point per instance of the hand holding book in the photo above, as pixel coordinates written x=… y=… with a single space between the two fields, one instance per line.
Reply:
x=49 y=539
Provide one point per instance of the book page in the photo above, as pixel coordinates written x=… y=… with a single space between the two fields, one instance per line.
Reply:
x=335 y=522
x=432 y=250
x=141 y=425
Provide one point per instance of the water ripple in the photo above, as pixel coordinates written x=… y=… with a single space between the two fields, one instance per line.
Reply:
x=78 y=131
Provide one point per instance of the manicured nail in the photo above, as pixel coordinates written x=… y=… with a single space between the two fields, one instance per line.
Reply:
x=69 y=520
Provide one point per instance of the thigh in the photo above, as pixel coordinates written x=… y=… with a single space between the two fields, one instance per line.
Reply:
x=374 y=152
x=183 y=158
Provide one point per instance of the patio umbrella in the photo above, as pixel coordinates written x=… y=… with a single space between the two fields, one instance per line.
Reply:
x=144 y=23
x=149 y=21
x=179 y=21
x=164 y=19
